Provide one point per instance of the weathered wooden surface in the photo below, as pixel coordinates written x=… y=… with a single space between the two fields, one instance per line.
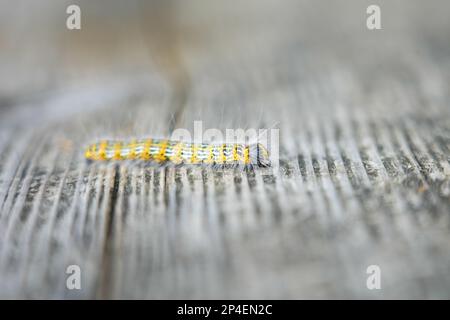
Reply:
x=365 y=149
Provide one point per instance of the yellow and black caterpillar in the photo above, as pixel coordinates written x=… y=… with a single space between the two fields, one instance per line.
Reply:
x=177 y=152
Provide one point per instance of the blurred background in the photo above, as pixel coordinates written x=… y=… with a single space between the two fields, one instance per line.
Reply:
x=173 y=49
x=365 y=148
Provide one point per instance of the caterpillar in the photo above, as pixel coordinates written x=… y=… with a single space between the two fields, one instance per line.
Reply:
x=178 y=152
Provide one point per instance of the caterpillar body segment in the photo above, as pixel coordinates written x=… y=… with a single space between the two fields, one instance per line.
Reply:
x=177 y=152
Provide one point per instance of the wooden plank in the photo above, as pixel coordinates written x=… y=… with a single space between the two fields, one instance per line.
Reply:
x=364 y=174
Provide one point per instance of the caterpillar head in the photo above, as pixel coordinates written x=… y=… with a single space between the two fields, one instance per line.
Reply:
x=259 y=156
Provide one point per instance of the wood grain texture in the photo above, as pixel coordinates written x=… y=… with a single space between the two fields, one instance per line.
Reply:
x=364 y=173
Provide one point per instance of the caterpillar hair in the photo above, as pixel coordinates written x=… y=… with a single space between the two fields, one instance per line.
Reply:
x=176 y=152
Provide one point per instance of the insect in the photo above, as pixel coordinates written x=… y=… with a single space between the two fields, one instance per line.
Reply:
x=178 y=152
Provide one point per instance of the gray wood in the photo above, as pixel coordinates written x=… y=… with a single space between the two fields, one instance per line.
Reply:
x=364 y=175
